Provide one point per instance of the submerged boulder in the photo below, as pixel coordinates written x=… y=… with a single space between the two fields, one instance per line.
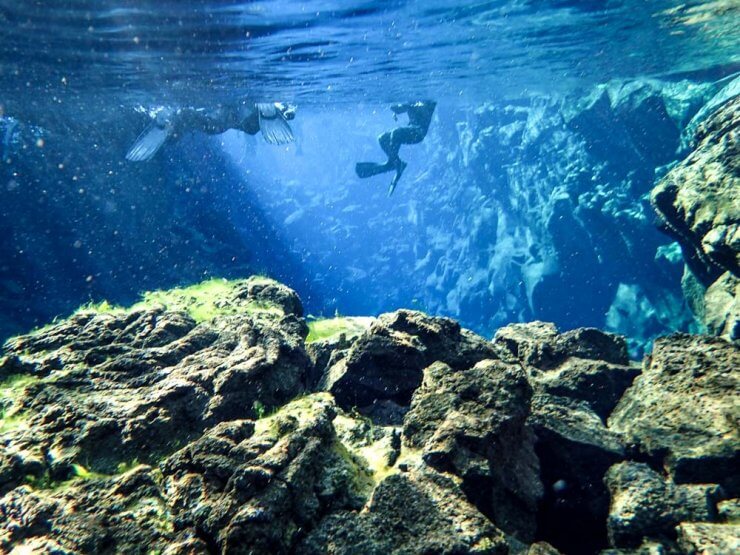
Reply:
x=414 y=513
x=252 y=486
x=682 y=411
x=709 y=538
x=472 y=423
x=646 y=505
x=578 y=377
x=386 y=362
x=108 y=386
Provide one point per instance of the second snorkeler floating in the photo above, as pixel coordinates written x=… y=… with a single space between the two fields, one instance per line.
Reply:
x=420 y=116
x=269 y=117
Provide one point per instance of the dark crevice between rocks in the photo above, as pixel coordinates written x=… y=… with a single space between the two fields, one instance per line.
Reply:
x=210 y=542
x=571 y=515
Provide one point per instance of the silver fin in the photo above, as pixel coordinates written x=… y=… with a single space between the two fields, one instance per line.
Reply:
x=275 y=129
x=148 y=143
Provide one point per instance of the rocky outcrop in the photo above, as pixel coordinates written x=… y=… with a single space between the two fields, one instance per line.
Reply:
x=196 y=422
x=698 y=203
x=409 y=513
x=153 y=378
x=578 y=377
x=472 y=423
x=249 y=486
x=386 y=362
x=682 y=411
x=646 y=505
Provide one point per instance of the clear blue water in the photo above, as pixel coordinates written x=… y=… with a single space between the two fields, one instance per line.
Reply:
x=472 y=231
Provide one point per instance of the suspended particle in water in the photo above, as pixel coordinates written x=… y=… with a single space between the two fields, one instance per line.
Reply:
x=560 y=486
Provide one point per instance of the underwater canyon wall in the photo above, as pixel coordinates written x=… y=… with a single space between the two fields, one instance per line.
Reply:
x=562 y=187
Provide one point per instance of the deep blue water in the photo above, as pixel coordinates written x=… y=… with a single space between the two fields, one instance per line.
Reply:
x=526 y=200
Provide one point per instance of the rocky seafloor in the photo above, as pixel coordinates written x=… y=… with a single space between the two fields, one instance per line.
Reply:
x=216 y=419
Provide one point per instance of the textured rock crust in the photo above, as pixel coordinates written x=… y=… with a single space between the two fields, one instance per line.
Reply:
x=683 y=411
x=149 y=430
x=698 y=203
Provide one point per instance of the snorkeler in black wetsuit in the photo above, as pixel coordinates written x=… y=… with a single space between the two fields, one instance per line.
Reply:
x=249 y=117
x=420 y=116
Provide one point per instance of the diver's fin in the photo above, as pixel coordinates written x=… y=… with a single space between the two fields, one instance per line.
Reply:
x=369 y=169
x=148 y=143
x=399 y=172
x=275 y=129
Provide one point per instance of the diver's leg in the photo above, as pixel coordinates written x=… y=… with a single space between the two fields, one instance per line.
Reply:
x=399 y=167
x=403 y=135
x=390 y=144
x=410 y=135
x=368 y=169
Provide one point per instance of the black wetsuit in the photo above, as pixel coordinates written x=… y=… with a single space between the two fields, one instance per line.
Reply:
x=212 y=122
x=420 y=116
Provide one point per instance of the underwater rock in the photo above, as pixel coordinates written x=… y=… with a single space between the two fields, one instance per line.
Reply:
x=585 y=364
x=698 y=200
x=326 y=351
x=684 y=408
x=472 y=423
x=698 y=203
x=152 y=378
x=415 y=512
x=645 y=505
x=578 y=377
x=386 y=362
x=269 y=293
x=539 y=344
x=575 y=449
x=721 y=307
x=709 y=538
x=251 y=486
x=87 y=515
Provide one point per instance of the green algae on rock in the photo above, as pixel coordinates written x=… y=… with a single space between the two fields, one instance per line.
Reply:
x=326 y=328
x=211 y=298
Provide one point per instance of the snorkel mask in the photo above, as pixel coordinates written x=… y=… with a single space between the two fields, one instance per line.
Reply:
x=287 y=109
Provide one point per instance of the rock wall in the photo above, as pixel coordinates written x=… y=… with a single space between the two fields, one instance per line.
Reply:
x=698 y=202
x=201 y=420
